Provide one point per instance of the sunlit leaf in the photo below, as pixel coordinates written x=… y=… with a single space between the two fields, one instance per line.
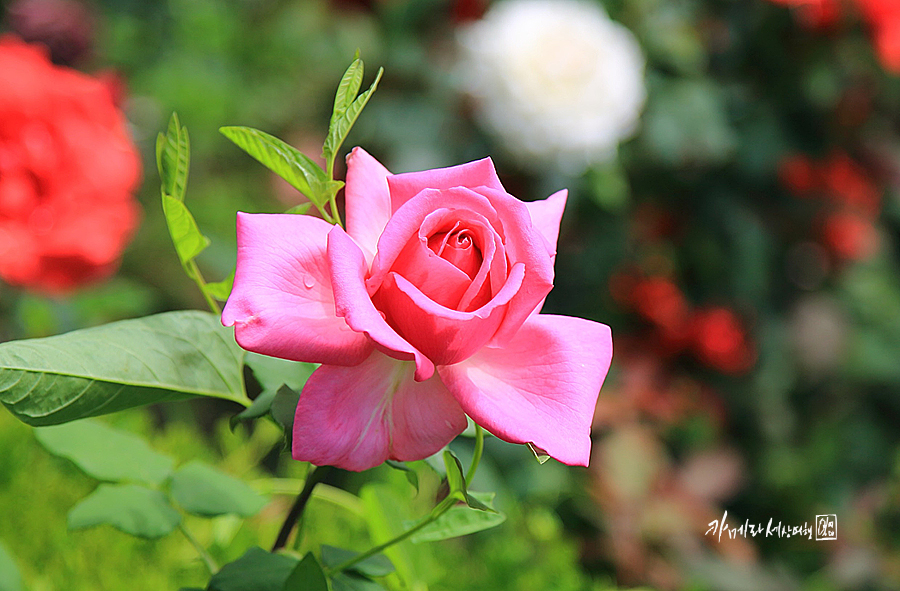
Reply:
x=173 y=158
x=300 y=209
x=202 y=490
x=221 y=289
x=340 y=126
x=373 y=566
x=10 y=579
x=411 y=475
x=539 y=454
x=89 y=372
x=106 y=453
x=461 y=520
x=455 y=476
x=347 y=89
x=186 y=236
x=284 y=160
x=133 y=509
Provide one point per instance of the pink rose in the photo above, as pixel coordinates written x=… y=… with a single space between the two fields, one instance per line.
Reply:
x=423 y=311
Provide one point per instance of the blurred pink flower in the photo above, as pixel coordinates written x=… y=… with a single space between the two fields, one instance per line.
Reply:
x=423 y=311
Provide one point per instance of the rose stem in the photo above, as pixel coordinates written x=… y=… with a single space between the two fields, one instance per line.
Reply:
x=314 y=477
x=204 y=555
x=476 y=455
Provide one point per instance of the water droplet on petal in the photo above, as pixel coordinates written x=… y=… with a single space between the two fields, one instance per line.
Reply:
x=308 y=282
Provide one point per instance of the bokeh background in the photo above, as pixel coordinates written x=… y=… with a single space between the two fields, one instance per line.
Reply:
x=734 y=215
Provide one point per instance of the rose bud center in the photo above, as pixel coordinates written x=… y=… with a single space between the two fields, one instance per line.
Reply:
x=459 y=248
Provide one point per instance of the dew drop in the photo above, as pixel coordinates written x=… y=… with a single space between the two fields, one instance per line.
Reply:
x=308 y=282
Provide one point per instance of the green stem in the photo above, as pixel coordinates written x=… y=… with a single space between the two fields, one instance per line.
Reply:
x=335 y=217
x=439 y=510
x=208 y=560
x=313 y=478
x=332 y=201
x=194 y=272
x=476 y=455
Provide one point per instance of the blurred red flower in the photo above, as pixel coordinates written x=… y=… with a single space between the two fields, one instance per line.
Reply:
x=850 y=185
x=720 y=342
x=660 y=301
x=798 y=174
x=68 y=170
x=850 y=236
x=883 y=17
x=815 y=14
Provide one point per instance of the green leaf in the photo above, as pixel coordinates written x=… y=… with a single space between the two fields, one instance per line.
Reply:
x=272 y=372
x=262 y=404
x=347 y=89
x=455 y=476
x=170 y=356
x=173 y=158
x=133 y=509
x=256 y=570
x=183 y=229
x=284 y=160
x=374 y=566
x=202 y=490
x=221 y=289
x=354 y=582
x=539 y=454
x=106 y=453
x=340 y=126
x=10 y=579
x=284 y=407
x=300 y=209
x=461 y=520
x=307 y=576
x=411 y=475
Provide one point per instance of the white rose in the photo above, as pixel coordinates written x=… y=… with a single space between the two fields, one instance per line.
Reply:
x=556 y=80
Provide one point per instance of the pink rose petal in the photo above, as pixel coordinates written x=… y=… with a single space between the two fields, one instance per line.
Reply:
x=406 y=222
x=445 y=336
x=352 y=302
x=524 y=244
x=355 y=418
x=366 y=200
x=546 y=216
x=479 y=173
x=282 y=303
x=541 y=388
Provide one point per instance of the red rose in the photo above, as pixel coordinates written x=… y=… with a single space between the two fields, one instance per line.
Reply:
x=67 y=173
